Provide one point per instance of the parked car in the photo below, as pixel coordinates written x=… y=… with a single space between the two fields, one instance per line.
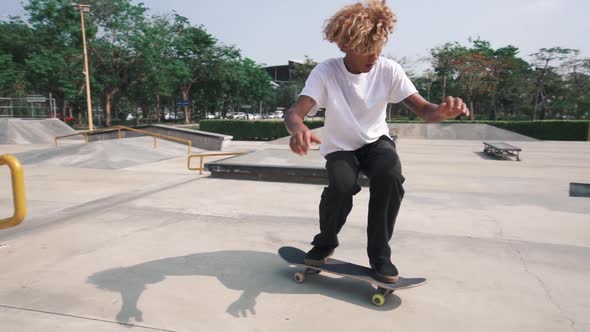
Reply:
x=254 y=116
x=240 y=116
x=173 y=116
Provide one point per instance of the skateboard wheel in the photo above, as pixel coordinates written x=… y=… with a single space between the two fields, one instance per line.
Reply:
x=378 y=299
x=299 y=277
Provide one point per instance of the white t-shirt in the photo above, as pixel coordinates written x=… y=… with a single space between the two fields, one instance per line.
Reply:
x=355 y=103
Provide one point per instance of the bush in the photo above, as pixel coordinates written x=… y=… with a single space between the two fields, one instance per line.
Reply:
x=243 y=130
x=550 y=130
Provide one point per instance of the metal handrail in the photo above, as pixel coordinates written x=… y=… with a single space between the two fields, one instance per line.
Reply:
x=203 y=155
x=18 y=192
x=119 y=128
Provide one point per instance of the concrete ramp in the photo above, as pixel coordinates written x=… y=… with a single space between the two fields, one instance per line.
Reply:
x=25 y=131
x=442 y=131
x=455 y=131
x=110 y=154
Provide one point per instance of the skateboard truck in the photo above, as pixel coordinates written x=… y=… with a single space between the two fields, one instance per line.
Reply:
x=300 y=276
x=378 y=298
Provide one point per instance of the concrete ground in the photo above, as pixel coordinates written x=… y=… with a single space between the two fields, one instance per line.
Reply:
x=156 y=247
x=34 y=131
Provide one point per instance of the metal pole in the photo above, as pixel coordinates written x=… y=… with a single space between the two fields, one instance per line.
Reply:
x=50 y=107
x=18 y=190
x=86 y=70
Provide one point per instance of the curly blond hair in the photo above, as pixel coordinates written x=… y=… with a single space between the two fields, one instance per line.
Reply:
x=362 y=27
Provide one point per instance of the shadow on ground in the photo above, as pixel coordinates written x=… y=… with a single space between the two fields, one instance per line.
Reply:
x=251 y=272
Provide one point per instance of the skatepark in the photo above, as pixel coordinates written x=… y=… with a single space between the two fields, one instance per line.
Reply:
x=121 y=236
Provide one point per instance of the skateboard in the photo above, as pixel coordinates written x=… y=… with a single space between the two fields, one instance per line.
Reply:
x=349 y=270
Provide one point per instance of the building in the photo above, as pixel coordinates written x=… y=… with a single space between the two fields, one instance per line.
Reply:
x=282 y=73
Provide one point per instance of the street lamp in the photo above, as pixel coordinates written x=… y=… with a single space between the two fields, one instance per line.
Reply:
x=85 y=9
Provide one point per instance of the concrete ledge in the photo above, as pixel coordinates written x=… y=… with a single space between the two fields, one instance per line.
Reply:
x=579 y=190
x=455 y=131
x=200 y=139
x=268 y=173
x=274 y=165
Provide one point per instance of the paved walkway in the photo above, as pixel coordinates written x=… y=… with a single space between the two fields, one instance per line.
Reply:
x=155 y=247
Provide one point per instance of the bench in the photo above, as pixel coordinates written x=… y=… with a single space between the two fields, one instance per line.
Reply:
x=502 y=150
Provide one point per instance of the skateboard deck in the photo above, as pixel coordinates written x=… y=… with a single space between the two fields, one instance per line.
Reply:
x=295 y=256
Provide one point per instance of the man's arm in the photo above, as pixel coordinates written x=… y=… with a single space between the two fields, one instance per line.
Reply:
x=301 y=136
x=450 y=108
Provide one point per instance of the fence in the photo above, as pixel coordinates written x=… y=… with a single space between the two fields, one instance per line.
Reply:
x=28 y=107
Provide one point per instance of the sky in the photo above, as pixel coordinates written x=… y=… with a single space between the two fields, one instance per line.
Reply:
x=271 y=32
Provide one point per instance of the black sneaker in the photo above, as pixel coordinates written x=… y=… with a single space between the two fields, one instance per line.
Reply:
x=385 y=271
x=317 y=255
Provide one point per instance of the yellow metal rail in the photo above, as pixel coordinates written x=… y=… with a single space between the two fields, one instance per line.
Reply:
x=18 y=192
x=203 y=155
x=120 y=128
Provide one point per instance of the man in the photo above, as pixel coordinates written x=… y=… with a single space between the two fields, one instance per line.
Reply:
x=355 y=91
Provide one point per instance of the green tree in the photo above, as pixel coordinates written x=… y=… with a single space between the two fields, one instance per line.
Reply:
x=239 y=81
x=286 y=93
x=15 y=48
x=12 y=77
x=494 y=82
x=442 y=58
x=153 y=72
x=226 y=79
x=576 y=74
x=191 y=54
x=112 y=51
x=510 y=87
x=302 y=70
x=473 y=69
x=56 y=63
x=546 y=74
x=256 y=84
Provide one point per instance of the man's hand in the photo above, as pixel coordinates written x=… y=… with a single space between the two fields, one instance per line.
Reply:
x=452 y=108
x=302 y=139
x=301 y=136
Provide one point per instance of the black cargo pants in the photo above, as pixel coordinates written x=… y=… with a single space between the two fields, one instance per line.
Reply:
x=380 y=163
